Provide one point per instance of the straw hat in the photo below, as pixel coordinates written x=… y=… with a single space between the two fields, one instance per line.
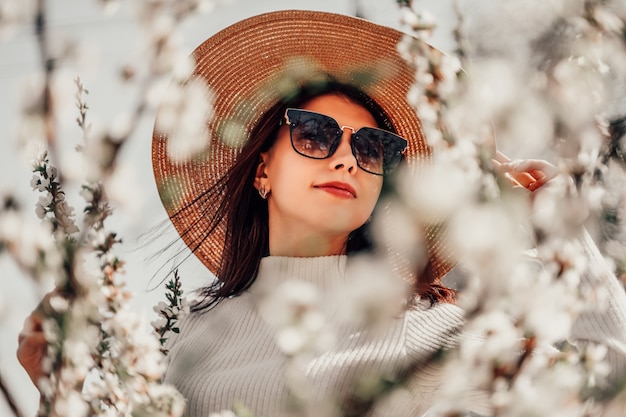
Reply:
x=249 y=66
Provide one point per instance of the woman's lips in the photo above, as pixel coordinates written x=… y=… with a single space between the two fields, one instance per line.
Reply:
x=338 y=189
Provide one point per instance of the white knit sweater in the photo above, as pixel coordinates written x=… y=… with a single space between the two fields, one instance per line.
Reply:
x=228 y=355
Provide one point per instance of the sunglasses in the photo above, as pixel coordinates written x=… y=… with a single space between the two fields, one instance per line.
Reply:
x=318 y=136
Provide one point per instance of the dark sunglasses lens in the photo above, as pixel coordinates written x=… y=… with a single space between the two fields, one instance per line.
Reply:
x=313 y=135
x=378 y=151
x=369 y=151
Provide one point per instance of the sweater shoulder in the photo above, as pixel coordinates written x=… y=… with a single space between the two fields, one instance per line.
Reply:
x=430 y=327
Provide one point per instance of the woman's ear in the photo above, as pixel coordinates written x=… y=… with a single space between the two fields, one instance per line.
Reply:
x=261 y=180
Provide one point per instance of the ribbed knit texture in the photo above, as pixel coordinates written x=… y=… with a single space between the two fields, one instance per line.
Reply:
x=228 y=355
x=607 y=323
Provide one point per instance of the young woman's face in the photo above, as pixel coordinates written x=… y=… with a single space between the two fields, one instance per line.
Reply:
x=331 y=196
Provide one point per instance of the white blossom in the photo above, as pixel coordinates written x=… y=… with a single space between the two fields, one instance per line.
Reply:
x=45 y=200
x=123 y=190
x=550 y=313
x=40 y=211
x=71 y=405
x=502 y=339
x=436 y=190
x=594 y=361
x=184 y=115
x=27 y=241
x=293 y=309
x=39 y=183
x=58 y=303
x=607 y=19
x=166 y=400
x=370 y=296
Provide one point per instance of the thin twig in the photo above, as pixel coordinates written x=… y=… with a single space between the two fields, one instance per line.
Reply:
x=48 y=65
x=9 y=398
x=460 y=36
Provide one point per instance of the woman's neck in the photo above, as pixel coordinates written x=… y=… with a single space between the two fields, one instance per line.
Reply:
x=305 y=243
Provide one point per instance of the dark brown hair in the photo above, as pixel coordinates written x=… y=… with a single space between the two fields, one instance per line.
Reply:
x=429 y=286
x=246 y=215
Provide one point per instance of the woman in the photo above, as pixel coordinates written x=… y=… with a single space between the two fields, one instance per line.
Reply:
x=309 y=87
x=305 y=203
x=322 y=100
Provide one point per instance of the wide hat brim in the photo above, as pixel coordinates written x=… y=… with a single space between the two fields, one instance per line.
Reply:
x=248 y=67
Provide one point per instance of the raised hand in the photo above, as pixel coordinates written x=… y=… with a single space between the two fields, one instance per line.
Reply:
x=531 y=174
x=32 y=344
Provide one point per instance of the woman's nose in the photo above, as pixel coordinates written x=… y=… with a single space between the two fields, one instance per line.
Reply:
x=343 y=157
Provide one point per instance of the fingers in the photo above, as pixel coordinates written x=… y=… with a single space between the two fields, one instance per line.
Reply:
x=531 y=174
x=540 y=171
x=501 y=158
x=531 y=165
x=518 y=179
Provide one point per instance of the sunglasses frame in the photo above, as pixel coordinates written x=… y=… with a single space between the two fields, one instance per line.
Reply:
x=396 y=139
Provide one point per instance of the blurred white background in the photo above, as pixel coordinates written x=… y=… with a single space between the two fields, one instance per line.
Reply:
x=110 y=41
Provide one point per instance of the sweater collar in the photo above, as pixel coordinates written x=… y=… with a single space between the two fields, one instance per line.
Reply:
x=322 y=271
